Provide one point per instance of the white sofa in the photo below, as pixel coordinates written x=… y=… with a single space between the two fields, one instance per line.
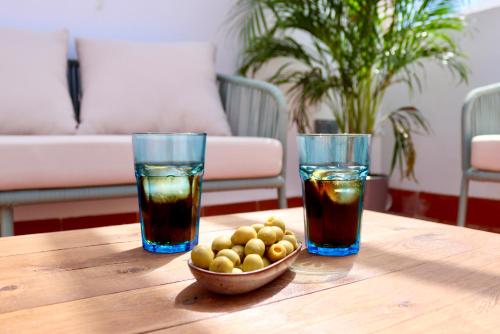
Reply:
x=53 y=168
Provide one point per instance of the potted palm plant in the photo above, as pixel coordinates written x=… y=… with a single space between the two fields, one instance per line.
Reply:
x=347 y=53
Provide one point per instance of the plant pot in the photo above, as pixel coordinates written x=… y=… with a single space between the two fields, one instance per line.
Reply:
x=377 y=193
x=325 y=126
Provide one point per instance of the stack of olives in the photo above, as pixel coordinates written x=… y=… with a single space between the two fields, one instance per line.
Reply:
x=249 y=248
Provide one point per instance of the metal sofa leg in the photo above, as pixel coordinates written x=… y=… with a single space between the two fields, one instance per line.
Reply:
x=6 y=221
x=462 y=205
x=282 y=197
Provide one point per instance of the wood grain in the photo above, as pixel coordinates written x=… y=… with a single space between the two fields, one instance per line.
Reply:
x=371 y=305
x=44 y=242
x=125 y=266
x=407 y=270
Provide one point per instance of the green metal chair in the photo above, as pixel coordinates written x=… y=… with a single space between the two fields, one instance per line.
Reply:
x=253 y=108
x=480 y=116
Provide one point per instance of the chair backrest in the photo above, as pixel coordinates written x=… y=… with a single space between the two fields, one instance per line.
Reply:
x=480 y=116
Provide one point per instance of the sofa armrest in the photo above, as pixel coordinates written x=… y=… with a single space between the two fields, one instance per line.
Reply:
x=253 y=107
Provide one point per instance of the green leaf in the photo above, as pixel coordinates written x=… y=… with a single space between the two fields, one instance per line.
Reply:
x=347 y=53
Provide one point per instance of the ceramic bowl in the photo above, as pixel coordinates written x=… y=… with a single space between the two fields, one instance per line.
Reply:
x=233 y=284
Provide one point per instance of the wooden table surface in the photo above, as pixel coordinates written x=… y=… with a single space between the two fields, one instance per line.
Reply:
x=410 y=276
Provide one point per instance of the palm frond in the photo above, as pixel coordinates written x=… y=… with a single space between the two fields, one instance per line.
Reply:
x=406 y=122
x=266 y=47
x=349 y=52
x=307 y=90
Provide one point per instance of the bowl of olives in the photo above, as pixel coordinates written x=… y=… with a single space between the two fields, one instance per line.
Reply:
x=248 y=259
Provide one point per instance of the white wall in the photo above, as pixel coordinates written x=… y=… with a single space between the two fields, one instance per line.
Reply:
x=141 y=20
x=472 y=6
x=438 y=166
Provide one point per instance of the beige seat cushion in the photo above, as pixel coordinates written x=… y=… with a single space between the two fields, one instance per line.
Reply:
x=139 y=87
x=34 y=162
x=34 y=96
x=485 y=152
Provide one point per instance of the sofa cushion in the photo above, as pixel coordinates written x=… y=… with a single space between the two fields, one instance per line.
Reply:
x=141 y=87
x=485 y=152
x=34 y=96
x=34 y=162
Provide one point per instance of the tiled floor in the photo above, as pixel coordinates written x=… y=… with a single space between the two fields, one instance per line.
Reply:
x=53 y=225
x=483 y=214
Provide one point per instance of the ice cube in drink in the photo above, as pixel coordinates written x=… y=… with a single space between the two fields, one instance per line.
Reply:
x=166 y=189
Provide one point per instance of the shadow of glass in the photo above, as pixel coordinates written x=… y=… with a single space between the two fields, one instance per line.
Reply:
x=196 y=298
x=142 y=260
x=438 y=271
x=310 y=269
x=114 y=268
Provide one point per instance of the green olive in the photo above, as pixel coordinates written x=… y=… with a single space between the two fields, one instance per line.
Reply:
x=288 y=232
x=237 y=271
x=292 y=240
x=279 y=233
x=221 y=264
x=231 y=255
x=240 y=250
x=257 y=227
x=252 y=262
x=276 y=252
x=267 y=235
x=220 y=243
x=255 y=246
x=266 y=261
x=288 y=246
x=275 y=221
x=242 y=235
x=202 y=256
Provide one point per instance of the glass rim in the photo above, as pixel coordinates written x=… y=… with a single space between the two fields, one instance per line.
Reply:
x=170 y=133
x=334 y=135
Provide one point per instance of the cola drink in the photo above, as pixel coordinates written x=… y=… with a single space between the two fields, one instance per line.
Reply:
x=169 y=200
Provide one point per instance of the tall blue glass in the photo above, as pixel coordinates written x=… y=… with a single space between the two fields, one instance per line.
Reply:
x=169 y=171
x=333 y=169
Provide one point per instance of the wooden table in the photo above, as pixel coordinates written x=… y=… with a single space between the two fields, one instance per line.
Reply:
x=411 y=276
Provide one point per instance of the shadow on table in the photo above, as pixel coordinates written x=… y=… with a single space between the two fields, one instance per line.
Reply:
x=196 y=298
x=139 y=258
x=434 y=271
x=105 y=268
x=132 y=266
x=121 y=254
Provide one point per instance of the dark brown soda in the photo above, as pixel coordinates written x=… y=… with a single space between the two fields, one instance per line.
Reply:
x=169 y=222
x=332 y=222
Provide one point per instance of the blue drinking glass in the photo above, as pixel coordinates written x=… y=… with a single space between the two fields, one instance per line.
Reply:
x=169 y=171
x=333 y=169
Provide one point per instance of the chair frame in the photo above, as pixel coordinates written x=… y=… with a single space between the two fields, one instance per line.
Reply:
x=253 y=108
x=470 y=173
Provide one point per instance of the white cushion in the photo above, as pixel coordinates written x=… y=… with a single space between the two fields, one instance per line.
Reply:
x=138 y=87
x=34 y=96
x=485 y=152
x=33 y=162
x=242 y=157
